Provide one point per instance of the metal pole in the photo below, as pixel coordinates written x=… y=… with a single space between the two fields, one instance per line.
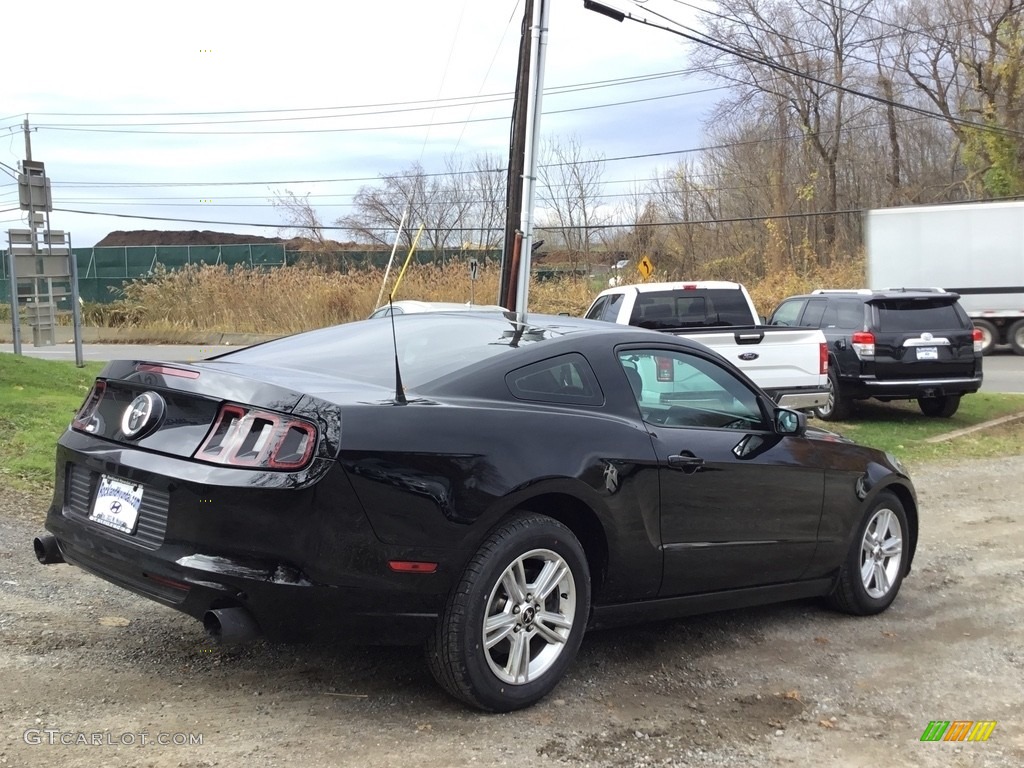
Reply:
x=76 y=309
x=28 y=140
x=538 y=49
x=15 y=320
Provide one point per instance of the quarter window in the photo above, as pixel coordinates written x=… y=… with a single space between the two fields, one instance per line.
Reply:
x=563 y=379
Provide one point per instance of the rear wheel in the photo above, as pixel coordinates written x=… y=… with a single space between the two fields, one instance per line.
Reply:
x=876 y=563
x=989 y=334
x=513 y=623
x=943 y=406
x=837 y=407
x=1016 y=337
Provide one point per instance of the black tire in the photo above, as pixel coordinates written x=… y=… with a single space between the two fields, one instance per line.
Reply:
x=943 y=406
x=1016 y=337
x=989 y=335
x=515 y=555
x=837 y=407
x=880 y=542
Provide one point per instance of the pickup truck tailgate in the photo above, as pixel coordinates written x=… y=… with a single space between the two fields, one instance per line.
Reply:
x=776 y=358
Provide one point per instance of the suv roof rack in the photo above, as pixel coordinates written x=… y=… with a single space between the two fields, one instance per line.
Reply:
x=860 y=291
x=933 y=289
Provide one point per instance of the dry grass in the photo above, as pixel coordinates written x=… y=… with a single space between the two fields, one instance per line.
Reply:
x=292 y=299
x=774 y=288
x=219 y=298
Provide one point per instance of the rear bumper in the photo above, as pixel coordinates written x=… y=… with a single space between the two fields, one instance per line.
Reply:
x=911 y=388
x=283 y=601
x=799 y=398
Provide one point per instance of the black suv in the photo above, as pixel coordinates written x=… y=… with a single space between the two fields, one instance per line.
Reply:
x=892 y=345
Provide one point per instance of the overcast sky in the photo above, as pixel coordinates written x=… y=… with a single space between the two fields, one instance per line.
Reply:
x=91 y=78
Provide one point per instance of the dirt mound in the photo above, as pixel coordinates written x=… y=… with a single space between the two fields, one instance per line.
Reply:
x=136 y=237
x=123 y=238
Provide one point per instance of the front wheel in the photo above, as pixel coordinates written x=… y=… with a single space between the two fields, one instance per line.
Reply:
x=513 y=623
x=875 y=566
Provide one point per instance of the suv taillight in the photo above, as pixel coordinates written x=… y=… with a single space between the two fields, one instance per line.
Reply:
x=979 y=341
x=864 y=344
x=85 y=419
x=245 y=437
x=823 y=358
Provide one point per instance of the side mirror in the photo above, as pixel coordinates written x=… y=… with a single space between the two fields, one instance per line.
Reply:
x=789 y=422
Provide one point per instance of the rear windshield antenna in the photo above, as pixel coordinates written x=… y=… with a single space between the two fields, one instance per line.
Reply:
x=399 y=389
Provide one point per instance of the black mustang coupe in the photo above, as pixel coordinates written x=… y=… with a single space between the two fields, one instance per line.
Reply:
x=486 y=487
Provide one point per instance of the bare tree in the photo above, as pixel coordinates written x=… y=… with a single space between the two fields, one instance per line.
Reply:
x=570 y=194
x=967 y=59
x=300 y=216
x=769 y=47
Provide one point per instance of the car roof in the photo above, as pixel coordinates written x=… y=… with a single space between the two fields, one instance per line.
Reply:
x=876 y=294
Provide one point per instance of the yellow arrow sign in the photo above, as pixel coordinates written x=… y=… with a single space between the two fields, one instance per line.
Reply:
x=645 y=267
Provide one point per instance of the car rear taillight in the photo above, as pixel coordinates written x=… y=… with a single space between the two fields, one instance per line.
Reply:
x=86 y=419
x=979 y=341
x=664 y=368
x=823 y=359
x=246 y=437
x=864 y=344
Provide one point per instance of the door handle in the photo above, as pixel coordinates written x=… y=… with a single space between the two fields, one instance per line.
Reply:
x=686 y=462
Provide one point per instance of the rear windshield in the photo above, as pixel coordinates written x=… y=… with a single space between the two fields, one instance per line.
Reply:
x=691 y=308
x=429 y=346
x=918 y=315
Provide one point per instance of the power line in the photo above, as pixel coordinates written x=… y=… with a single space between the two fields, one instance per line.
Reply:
x=373 y=128
x=419 y=104
x=76 y=184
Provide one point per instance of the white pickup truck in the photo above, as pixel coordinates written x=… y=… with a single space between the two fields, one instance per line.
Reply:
x=790 y=364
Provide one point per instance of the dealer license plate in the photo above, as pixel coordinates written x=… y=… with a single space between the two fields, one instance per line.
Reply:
x=117 y=504
x=927 y=353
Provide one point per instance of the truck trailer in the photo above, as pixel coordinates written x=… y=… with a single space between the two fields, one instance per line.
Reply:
x=973 y=249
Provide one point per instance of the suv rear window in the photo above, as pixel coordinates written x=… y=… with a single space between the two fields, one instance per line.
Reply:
x=918 y=315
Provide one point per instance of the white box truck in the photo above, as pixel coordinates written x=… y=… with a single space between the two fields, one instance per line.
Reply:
x=974 y=249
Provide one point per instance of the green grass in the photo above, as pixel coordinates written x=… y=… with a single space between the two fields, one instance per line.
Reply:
x=901 y=428
x=37 y=400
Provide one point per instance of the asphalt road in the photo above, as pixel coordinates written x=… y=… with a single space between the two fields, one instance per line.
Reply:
x=1004 y=371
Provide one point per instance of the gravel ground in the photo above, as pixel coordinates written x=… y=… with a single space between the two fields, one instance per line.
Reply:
x=786 y=685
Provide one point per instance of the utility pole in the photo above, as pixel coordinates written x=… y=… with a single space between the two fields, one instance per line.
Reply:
x=514 y=183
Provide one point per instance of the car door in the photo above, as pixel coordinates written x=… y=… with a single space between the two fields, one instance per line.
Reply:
x=740 y=504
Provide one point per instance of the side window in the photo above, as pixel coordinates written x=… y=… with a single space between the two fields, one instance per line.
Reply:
x=595 y=312
x=812 y=315
x=611 y=309
x=788 y=312
x=563 y=379
x=677 y=389
x=849 y=315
